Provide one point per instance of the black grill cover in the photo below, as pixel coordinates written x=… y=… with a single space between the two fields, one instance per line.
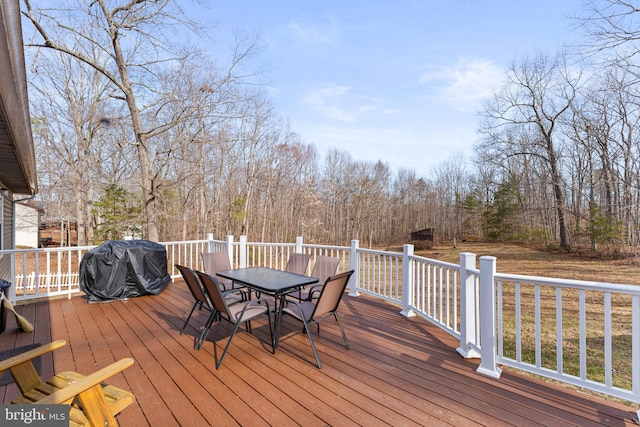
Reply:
x=120 y=269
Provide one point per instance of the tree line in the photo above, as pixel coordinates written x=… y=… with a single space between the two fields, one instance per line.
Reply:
x=136 y=135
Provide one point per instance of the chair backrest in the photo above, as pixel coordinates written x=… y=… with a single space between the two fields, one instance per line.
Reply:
x=212 y=262
x=331 y=294
x=212 y=288
x=193 y=283
x=297 y=263
x=324 y=267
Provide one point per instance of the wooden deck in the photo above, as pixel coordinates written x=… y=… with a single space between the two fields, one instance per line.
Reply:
x=399 y=371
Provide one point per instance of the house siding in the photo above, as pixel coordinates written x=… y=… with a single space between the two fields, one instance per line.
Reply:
x=7 y=236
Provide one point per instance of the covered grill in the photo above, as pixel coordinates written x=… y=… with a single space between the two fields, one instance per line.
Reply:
x=120 y=269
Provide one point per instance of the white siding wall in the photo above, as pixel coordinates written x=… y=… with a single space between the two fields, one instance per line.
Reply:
x=26 y=226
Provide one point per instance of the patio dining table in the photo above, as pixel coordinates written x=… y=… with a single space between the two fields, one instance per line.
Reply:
x=271 y=281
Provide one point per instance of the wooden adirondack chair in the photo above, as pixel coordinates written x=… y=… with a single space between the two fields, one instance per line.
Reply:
x=92 y=403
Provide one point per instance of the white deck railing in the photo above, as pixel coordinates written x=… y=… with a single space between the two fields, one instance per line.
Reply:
x=380 y=274
x=582 y=333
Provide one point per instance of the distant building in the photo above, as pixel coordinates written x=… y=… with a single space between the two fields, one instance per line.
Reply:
x=27 y=226
x=421 y=235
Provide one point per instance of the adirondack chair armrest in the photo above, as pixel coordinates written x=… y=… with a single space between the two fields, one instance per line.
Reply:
x=30 y=354
x=91 y=401
x=82 y=385
x=22 y=368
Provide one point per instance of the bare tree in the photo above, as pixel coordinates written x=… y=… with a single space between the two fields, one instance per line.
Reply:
x=71 y=115
x=612 y=29
x=134 y=39
x=451 y=183
x=538 y=92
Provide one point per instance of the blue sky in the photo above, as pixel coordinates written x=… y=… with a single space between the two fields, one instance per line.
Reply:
x=398 y=81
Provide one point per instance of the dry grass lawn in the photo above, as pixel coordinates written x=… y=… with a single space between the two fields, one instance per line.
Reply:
x=517 y=259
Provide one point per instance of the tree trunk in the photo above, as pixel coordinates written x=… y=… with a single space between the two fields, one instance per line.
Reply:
x=146 y=181
x=557 y=190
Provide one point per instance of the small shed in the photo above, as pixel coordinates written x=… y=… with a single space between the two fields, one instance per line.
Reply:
x=422 y=235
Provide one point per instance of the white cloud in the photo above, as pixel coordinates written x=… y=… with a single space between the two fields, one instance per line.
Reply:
x=465 y=84
x=339 y=103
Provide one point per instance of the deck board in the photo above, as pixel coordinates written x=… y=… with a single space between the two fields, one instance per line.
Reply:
x=399 y=371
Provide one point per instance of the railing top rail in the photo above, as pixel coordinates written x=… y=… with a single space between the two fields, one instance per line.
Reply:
x=379 y=252
x=271 y=244
x=40 y=250
x=86 y=248
x=570 y=283
x=186 y=242
x=328 y=247
x=473 y=271
x=434 y=261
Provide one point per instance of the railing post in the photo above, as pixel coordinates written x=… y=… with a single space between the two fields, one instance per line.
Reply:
x=298 y=244
x=242 y=251
x=635 y=346
x=229 y=247
x=488 y=339
x=354 y=264
x=209 y=239
x=468 y=308
x=407 y=280
x=12 y=289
